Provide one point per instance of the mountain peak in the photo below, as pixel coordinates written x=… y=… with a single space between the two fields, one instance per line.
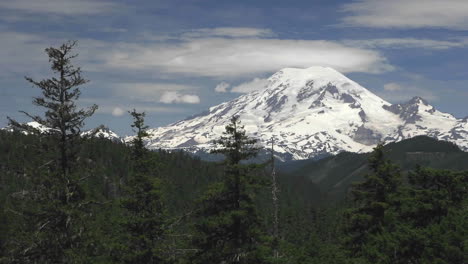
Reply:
x=103 y=131
x=300 y=75
x=311 y=81
x=417 y=100
x=413 y=110
x=313 y=72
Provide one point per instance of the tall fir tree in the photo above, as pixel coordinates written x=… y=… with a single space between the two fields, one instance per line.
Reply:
x=54 y=206
x=371 y=215
x=228 y=229
x=144 y=221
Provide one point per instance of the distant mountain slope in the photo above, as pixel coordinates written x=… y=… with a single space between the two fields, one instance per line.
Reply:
x=334 y=175
x=313 y=112
x=101 y=131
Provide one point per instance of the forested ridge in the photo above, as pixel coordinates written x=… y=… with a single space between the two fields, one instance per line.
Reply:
x=70 y=199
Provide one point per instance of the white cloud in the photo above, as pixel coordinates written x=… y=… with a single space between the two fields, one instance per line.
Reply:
x=247 y=87
x=222 y=87
x=451 y=14
x=175 y=97
x=207 y=57
x=149 y=88
x=109 y=108
x=235 y=32
x=117 y=111
x=392 y=87
x=147 y=92
x=398 y=43
x=225 y=57
x=61 y=7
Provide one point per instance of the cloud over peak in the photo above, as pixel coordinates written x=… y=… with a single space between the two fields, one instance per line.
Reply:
x=240 y=57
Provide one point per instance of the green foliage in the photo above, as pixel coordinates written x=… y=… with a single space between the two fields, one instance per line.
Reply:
x=228 y=227
x=59 y=96
x=423 y=222
x=433 y=218
x=52 y=207
x=373 y=198
x=144 y=216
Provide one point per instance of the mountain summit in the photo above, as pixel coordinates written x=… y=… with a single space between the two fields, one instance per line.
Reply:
x=312 y=112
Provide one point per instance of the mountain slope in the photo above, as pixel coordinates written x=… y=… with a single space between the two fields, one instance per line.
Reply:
x=313 y=112
x=100 y=132
x=334 y=175
x=103 y=132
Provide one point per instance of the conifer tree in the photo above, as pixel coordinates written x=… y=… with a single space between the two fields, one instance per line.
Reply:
x=228 y=229
x=59 y=96
x=371 y=215
x=433 y=220
x=144 y=213
x=54 y=206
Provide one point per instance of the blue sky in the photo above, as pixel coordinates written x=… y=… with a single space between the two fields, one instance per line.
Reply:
x=177 y=58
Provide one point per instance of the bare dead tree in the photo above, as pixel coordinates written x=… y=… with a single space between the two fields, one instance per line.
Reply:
x=274 y=196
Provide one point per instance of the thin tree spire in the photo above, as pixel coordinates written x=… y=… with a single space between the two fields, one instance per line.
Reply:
x=274 y=196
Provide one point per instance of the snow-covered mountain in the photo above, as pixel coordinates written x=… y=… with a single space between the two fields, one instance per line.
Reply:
x=312 y=112
x=100 y=132
x=35 y=125
x=103 y=132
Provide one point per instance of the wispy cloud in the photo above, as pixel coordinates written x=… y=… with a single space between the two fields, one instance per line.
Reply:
x=250 y=86
x=59 y=7
x=449 y=14
x=234 y=57
x=392 y=87
x=117 y=111
x=222 y=87
x=234 y=32
x=120 y=109
x=403 y=43
x=148 y=92
x=176 y=97
x=20 y=52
